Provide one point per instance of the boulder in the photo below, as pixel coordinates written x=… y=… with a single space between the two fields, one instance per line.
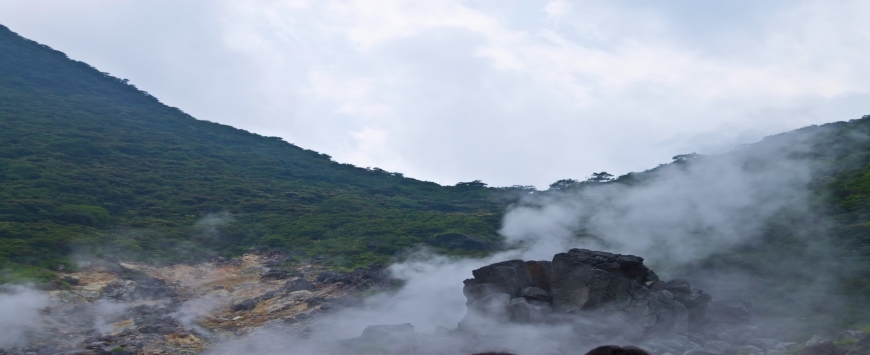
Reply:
x=521 y=311
x=541 y=273
x=535 y=293
x=587 y=280
x=512 y=276
x=245 y=305
x=299 y=284
x=580 y=282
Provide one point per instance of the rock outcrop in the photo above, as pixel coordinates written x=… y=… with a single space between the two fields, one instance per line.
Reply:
x=580 y=285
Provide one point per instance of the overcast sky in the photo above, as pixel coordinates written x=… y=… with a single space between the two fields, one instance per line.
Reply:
x=508 y=92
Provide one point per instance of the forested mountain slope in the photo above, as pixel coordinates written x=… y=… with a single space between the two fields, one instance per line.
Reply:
x=91 y=163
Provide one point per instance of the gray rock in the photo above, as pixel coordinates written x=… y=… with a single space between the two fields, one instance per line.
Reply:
x=535 y=293
x=299 y=284
x=245 y=305
x=587 y=280
x=681 y=318
x=512 y=276
x=474 y=291
x=541 y=273
x=494 y=305
x=523 y=312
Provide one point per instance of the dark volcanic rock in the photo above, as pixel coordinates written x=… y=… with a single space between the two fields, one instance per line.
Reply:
x=245 y=305
x=275 y=274
x=511 y=276
x=299 y=284
x=580 y=284
x=541 y=273
x=535 y=293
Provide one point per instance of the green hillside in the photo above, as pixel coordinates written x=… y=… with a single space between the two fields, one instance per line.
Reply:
x=89 y=163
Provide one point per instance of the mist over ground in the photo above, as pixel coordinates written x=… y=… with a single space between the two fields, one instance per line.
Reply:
x=705 y=218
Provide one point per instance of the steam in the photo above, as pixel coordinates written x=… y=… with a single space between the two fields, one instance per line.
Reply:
x=683 y=213
x=105 y=313
x=191 y=311
x=675 y=216
x=210 y=224
x=20 y=308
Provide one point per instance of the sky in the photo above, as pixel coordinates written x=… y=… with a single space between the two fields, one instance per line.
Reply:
x=507 y=92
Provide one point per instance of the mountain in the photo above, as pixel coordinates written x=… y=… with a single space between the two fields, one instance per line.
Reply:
x=92 y=166
x=89 y=164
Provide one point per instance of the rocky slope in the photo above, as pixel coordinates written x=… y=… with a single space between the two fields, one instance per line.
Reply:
x=128 y=308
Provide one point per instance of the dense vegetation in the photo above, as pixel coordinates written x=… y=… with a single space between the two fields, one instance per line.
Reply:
x=90 y=163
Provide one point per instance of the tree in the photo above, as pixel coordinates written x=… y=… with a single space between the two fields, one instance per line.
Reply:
x=476 y=184
x=684 y=157
x=600 y=177
x=563 y=184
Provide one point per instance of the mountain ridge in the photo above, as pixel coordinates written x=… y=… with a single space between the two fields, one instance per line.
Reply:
x=91 y=162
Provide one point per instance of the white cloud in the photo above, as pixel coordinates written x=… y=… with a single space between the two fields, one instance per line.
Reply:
x=508 y=92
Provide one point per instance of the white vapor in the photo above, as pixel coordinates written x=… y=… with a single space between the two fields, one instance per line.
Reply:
x=19 y=313
x=105 y=313
x=190 y=311
x=673 y=216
